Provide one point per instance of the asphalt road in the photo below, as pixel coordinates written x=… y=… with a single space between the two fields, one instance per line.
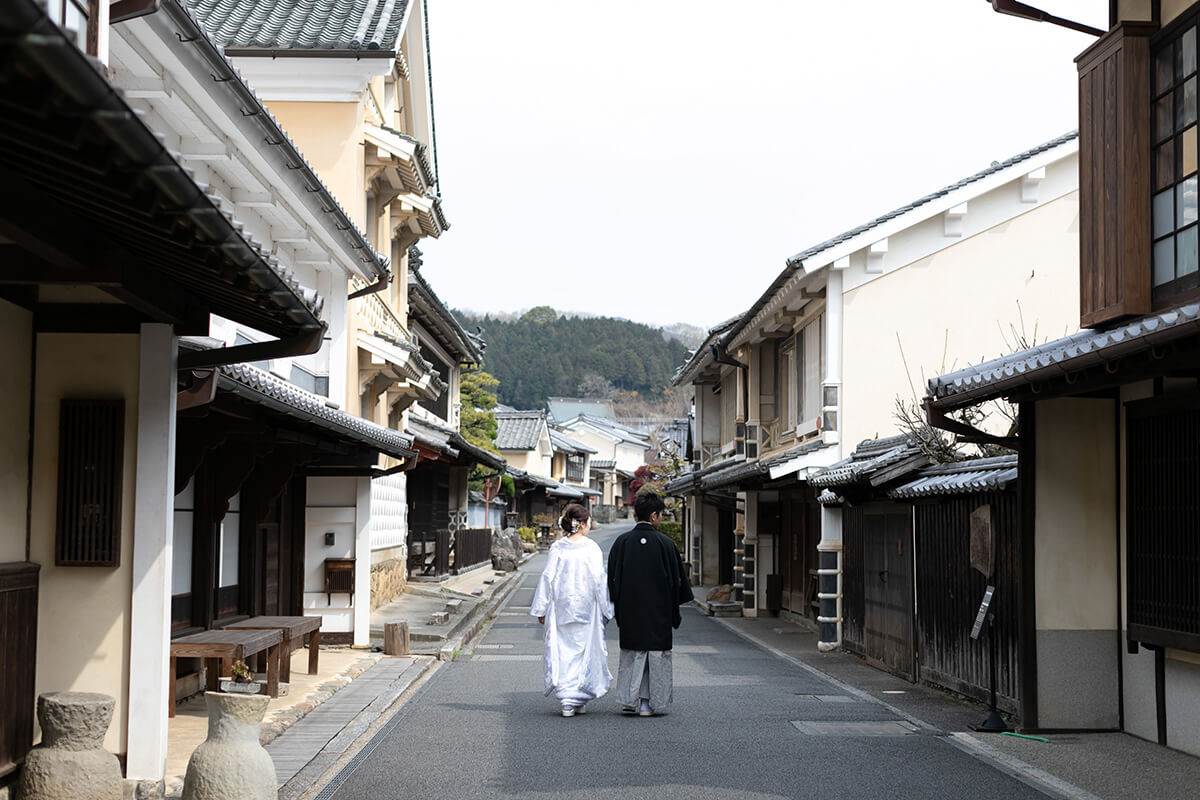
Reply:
x=481 y=728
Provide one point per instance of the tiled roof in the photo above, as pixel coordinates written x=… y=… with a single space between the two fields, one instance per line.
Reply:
x=961 y=477
x=452 y=443
x=521 y=476
x=565 y=444
x=562 y=409
x=263 y=387
x=303 y=24
x=699 y=358
x=598 y=465
x=519 y=430
x=614 y=428
x=1070 y=354
x=736 y=470
x=874 y=460
x=429 y=310
x=796 y=262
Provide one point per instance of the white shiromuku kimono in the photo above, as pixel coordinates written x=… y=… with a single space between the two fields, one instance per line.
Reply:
x=572 y=595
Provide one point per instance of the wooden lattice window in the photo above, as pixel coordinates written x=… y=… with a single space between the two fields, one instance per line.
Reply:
x=91 y=449
x=1163 y=540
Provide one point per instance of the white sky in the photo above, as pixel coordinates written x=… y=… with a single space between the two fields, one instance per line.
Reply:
x=620 y=158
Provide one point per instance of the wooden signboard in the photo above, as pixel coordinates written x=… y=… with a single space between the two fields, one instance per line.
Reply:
x=983 y=546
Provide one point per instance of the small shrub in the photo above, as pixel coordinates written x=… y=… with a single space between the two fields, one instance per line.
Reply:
x=674 y=532
x=527 y=534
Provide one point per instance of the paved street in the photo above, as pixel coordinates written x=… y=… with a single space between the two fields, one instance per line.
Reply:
x=745 y=724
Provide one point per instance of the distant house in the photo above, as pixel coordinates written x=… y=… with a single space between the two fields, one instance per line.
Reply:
x=548 y=467
x=561 y=409
x=614 y=442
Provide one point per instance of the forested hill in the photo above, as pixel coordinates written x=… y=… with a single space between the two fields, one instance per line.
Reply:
x=541 y=355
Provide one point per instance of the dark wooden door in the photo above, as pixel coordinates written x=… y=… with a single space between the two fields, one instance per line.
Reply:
x=272 y=602
x=724 y=546
x=799 y=532
x=888 y=589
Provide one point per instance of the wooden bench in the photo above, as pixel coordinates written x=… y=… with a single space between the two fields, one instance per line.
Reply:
x=222 y=647
x=293 y=630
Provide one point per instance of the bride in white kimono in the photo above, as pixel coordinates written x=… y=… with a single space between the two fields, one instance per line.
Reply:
x=571 y=600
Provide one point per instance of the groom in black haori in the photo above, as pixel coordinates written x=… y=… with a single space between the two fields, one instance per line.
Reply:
x=647 y=584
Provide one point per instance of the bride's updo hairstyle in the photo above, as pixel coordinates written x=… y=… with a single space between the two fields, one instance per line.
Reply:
x=573 y=518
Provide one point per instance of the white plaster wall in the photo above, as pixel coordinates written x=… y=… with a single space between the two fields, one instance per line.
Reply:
x=1075 y=565
x=230 y=535
x=1076 y=533
x=1183 y=701
x=955 y=308
x=83 y=620
x=16 y=337
x=528 y=460
x=331 y=506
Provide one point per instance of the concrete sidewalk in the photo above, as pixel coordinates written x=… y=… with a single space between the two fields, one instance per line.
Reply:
x=465 y=598
x=1078 y=765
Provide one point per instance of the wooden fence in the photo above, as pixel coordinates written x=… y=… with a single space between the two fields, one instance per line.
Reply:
x=472 y=547
x=18 y=655
x=949 y=591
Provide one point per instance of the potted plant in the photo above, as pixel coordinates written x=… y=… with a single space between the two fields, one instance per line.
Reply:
x=242 y=680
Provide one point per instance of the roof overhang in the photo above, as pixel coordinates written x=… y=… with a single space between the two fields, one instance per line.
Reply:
x=403 y=157
x=805 y=463
x=325 y=76
x=313 y=410
x=402 y=369
x=140 y=225
x=1084 y=362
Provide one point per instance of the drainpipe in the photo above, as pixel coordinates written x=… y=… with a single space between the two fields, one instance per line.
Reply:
x=721 y=357
x=379 y=285
x=307 y=342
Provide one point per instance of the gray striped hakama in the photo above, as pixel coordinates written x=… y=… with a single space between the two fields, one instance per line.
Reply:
x=645 y=673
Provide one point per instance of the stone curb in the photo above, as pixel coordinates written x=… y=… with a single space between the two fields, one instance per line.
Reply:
x=479 y=616
x=286 y=719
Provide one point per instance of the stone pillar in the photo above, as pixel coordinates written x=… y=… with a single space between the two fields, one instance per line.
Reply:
x=230 y=764
x=153 y=537
x=71 y=762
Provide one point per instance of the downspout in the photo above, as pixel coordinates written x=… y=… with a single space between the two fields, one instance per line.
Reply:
x=305 y=343
x=379 y=285
x=721 y=357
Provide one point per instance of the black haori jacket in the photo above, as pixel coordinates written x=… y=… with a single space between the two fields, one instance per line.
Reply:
x=647 y=584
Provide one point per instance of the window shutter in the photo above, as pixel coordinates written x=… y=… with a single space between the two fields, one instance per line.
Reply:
x=91 y=446
x=1114 y=176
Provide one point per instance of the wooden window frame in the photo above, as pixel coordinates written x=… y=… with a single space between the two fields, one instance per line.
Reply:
x=1169 y=145
x=91 y=480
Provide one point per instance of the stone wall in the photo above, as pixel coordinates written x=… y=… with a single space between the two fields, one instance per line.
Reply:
x=389 y=575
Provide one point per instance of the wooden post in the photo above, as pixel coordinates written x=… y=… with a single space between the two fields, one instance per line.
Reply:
x=395 y=639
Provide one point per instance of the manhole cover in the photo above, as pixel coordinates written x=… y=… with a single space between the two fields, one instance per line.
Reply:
x=885 y=728
x=828 y=698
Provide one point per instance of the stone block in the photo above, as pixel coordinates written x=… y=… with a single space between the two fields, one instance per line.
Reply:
x=439 y=618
